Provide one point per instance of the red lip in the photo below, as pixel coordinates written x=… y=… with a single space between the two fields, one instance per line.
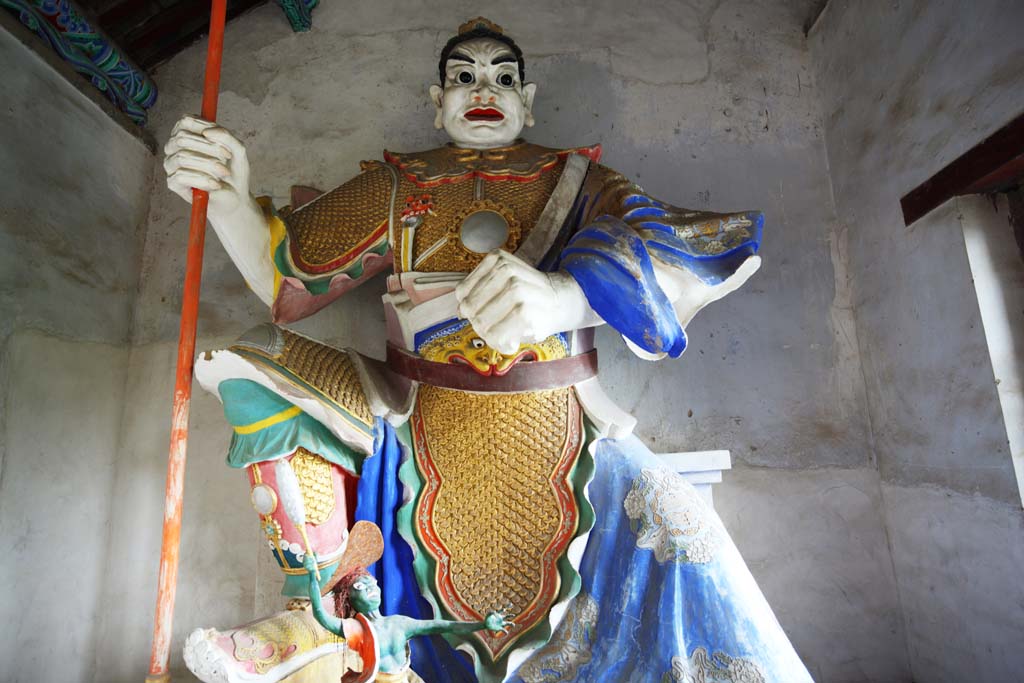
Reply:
x=524 y=356
x=484 y=114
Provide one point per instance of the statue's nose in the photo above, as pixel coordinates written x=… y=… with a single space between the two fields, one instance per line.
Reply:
x=484 y=89
x=492 y=356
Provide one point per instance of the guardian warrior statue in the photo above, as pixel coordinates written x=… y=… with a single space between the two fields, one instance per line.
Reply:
x=504 y=480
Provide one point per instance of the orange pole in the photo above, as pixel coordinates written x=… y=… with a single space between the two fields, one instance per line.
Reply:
x=160 y=656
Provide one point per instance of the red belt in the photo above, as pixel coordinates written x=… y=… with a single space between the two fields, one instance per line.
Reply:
x=528 y=376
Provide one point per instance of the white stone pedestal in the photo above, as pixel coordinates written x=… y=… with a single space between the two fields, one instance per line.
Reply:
x=700 y=468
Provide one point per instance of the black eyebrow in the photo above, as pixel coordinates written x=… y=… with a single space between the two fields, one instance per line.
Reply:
x=504 y=59
x=461 y=57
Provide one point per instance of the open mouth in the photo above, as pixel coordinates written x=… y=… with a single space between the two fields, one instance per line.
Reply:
x=484 y=114
x=525 y=356
x=462 y=360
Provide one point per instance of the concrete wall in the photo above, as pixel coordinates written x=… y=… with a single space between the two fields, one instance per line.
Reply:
x=72 y=202
x=906 y=87
x=709 y=105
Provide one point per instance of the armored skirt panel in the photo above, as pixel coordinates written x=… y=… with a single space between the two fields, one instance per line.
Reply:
x=496 y=506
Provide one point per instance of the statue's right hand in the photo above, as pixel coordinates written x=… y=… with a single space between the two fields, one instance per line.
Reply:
x=204 y=156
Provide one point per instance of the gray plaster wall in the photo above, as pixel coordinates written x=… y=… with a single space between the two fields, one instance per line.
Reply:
x=906 y=87
x=708 y=105
x=73 y=203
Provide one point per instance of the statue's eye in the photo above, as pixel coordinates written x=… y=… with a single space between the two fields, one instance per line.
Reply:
x=477 y=343
x=464 y=77
x=506 y=80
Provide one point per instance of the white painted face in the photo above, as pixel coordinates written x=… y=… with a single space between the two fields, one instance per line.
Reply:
x=483 y=104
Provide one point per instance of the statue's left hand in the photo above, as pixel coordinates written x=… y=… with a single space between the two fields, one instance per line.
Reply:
x=509 y=302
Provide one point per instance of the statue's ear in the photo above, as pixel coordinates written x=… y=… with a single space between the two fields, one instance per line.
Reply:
x=529 y=90
x=437 y=97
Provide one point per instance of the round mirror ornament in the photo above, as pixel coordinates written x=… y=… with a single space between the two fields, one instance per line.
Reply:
x=263 y=498
x=484 y=231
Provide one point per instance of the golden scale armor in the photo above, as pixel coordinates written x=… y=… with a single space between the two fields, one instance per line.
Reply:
x=426 y=198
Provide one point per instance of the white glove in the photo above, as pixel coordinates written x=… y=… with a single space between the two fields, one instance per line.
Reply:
x=204 y=156
x=509 y=302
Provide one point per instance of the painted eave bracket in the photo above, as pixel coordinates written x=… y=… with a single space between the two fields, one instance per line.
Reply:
x=90 y=52
x=299 y=13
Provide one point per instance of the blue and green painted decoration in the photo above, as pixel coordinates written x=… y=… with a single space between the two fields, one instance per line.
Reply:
x=299 y=13
x=90 y=52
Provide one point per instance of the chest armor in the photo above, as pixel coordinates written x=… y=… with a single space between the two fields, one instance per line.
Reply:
x=454 y=205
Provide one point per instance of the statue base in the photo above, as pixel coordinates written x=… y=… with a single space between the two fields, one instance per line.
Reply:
x=700 y=468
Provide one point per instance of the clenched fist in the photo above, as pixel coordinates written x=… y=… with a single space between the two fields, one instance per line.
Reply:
x=204 y=156
x=509 y=302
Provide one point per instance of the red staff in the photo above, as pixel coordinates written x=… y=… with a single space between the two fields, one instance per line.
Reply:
x=160 y=656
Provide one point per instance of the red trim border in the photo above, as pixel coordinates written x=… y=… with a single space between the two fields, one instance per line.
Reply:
x=359 y=249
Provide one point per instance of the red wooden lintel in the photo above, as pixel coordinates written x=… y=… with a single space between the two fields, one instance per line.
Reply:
x=994 y=164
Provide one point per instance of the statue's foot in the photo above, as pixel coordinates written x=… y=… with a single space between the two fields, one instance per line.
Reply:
x=267 y=651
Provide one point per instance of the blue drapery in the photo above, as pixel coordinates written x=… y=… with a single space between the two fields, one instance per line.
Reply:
x=611 y=260
x=666 y=596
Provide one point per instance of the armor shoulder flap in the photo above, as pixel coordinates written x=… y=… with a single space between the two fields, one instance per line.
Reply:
x=330 y=233
x=321 y=372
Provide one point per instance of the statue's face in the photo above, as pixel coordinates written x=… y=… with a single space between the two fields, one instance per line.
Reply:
x=365 y=595
x=483 y=104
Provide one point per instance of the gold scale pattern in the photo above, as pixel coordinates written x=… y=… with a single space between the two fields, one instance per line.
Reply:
x=323 y=367
x=496 y=510
x=611 y=188
x=339 y=220
x=520 y=202
x=328 y=369
x=316 y=484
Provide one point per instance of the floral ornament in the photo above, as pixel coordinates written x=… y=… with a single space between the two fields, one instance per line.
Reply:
x=670 y=518
x=272 y=529
x=716 y=668
x=569 y=647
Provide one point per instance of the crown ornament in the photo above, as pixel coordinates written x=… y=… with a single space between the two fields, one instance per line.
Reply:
x=478 y=23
